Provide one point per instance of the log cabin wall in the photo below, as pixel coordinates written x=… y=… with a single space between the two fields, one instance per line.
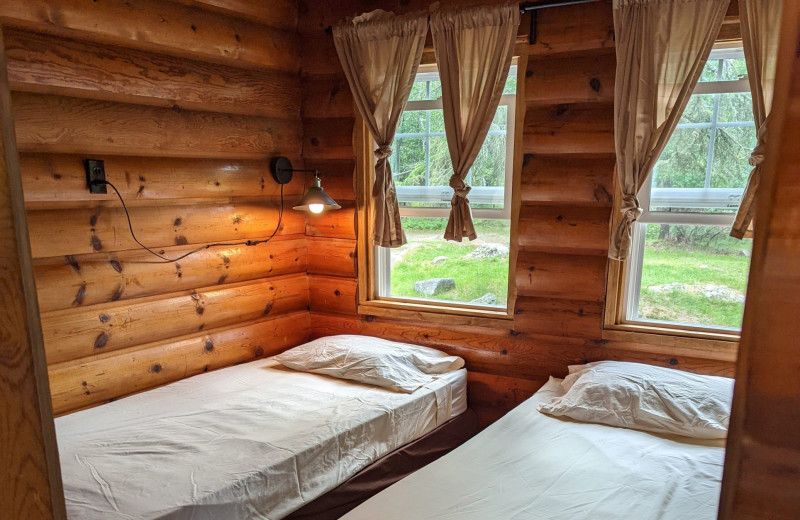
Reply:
x=186 y=102
x=567 y=186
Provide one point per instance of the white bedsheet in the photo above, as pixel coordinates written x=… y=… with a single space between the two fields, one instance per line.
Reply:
x=254 y=441
x=531 y=466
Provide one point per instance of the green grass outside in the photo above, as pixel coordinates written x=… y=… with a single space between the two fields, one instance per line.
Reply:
x=473 y=277
x=670 y=266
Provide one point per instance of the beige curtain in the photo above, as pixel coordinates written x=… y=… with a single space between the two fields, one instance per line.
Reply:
x=662 y=46
x=473 y=47
x=760 y=20
x=380 y=54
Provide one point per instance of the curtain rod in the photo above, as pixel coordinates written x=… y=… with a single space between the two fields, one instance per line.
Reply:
x=535 y=6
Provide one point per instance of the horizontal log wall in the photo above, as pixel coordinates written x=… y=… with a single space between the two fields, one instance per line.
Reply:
x=566 y=192
x=186 y=101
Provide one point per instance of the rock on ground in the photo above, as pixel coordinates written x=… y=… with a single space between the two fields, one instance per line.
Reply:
x=488 y=251
x=434 y=286
x=486 y=299
x=709 y=290
x=440 y=259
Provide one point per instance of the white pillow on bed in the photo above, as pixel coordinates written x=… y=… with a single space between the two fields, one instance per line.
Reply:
x=646 y=397
x=374 y=361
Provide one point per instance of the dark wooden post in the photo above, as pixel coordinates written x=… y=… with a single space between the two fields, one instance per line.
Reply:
x=762 y=465
x=29 y=469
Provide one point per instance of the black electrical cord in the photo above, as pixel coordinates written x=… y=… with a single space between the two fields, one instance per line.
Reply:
x=166 y=259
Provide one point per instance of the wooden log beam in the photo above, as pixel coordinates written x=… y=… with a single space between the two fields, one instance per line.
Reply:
x=511 y=354
x=96 y=278
x=98 y=379
x=569 y=129
x=58 y=181
x=570 y=277
x=571 y=30
x=580 y=79
x=274 y=13
x=568 y=180
x=328 y=138
x=333 y=294
x=105 y=229
x=104 y=127
x=332 y=256
x=337 y=176
x=327 y=97
x=61 y=66
x=556 y=317
x=78 y=333
x=333 y=224
x=30 y=470
x=163 y=27
x=492 y=395
x=566 y=229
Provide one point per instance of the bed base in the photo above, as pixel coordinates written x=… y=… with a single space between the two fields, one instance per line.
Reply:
x=390 y=468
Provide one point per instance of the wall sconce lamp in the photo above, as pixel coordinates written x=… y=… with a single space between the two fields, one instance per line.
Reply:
x=315 y=200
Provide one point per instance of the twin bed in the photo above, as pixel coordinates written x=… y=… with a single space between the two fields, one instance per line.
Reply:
x=264 y=441
x=529 y=465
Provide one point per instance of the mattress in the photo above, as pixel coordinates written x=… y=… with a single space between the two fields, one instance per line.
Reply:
x=254 y=441
x=531 y=466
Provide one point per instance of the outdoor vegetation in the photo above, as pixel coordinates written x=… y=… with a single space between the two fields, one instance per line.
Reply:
x=694 y=274
x=474 y=277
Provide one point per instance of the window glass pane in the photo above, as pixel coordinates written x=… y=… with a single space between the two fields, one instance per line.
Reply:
x=683 y=162
x=441 y=165
x=412 y=122
x=489 y=168
x=733 y=69
x=437 y=121
x=436 y=90
x=511 y=83
x=735 y=107
x=409 y=167
x=419 y=91
x=693 y=275
x=699 y=109
x=472 y=270
x=710 y=71
x=732 y=148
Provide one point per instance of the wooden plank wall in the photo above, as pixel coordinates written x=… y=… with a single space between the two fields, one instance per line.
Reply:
x=568 y=159
x=186 y=101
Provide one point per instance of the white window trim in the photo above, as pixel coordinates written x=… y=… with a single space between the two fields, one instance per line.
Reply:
x=682 y=198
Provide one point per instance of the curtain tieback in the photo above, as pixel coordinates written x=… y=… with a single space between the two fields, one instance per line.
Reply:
x=630 y=208
x=383 y=152
x=461 y=188
x=757 y=156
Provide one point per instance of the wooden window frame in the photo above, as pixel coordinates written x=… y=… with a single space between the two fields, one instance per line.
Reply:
x=369 y=303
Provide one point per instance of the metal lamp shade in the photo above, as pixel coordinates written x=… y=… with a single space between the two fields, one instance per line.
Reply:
x=316 y=196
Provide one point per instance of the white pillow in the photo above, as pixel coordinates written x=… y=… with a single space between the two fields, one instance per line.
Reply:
x=374 y=361
x=646 y=397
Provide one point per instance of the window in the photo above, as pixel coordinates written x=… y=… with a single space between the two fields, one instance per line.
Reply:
x=428 y=268
x=684 y=270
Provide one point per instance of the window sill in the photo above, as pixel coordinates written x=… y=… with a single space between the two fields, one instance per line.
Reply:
x=438 y=313
x=703 y=344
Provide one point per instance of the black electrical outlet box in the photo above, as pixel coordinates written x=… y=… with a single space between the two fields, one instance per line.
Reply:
x=95 y=173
